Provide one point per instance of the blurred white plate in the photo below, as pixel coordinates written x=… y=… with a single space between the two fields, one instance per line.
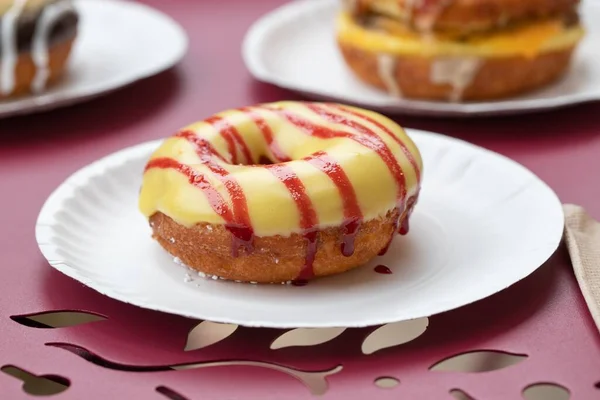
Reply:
x=483 y=223
x=294 y=47
x=119 y=43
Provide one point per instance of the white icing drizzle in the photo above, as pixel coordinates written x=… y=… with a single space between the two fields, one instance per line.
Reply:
x=41 y=38
x=386 y=68
x=9 y=46
x=458 y=72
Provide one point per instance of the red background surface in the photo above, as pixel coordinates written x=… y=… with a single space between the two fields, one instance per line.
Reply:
x=543 y=316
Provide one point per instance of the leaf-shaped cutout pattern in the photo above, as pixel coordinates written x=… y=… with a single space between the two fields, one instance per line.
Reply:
x=208 y=333
x=170 y=393
x=395 y=334
x=478 y=361
x=546 y=391
x=386 y=382
x=306 y=337
x=57 y=319
x=460 y=395
x=315 y=381
x=44 y=385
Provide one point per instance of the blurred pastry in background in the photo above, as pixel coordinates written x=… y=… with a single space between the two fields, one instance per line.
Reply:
x=36 y=39
x=458 y=50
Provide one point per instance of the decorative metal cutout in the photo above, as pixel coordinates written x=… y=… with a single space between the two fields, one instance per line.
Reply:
x=478 y=361
x=170 y=393
x=362 y=352
x=208 y=333
x=57 y=319
x=315 y=381
x=306 y=337
x=460 y=395
x=395 y=334
x=386 y=382
x=546 y=391
x=44 y=385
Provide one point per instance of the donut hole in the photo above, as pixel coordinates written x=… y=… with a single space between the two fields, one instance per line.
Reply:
x=264 y=160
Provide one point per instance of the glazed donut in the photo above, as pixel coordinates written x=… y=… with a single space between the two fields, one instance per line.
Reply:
x=472 y=59
x=280 y=192
x=36 y=39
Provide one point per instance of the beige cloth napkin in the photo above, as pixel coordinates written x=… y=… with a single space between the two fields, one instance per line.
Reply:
x=582 y=236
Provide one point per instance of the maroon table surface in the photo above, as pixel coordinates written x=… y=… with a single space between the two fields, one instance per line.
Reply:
x=38 y=152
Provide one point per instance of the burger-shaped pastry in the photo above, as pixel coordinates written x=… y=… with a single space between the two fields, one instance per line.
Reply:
x=458 y=50
x=36 y=38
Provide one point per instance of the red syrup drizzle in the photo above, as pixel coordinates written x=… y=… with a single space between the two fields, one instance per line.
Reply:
x=350 y=229
x=308 y=216
x=401 y=228
x=231 y=135
x=267 y=133
x=382 y=269
x=368 y=139
x=198 y=180
x=337 y=175
x=352 y=212
x=240 y=225
x=405 y=150
x=399 y=210
x=404 y=227
x=231 y=149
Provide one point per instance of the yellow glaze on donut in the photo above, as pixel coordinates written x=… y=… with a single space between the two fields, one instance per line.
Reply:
x=273 y=208
x=526 y=40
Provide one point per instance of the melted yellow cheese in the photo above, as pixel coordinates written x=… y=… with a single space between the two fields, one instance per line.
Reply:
x=527 y=40
x=271 y=206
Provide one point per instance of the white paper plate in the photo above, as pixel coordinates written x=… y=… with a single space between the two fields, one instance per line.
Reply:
x=119 y=43
x=294 y=47
x=483 y=223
